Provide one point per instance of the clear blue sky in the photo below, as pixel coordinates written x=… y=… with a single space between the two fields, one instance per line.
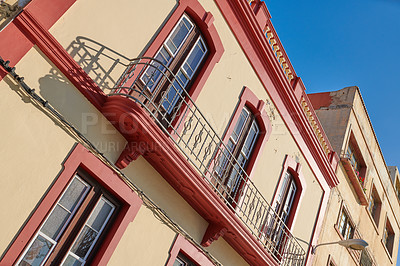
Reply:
x=335 y=44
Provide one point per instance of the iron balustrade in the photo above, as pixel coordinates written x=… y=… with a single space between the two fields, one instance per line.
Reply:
x=174 y=111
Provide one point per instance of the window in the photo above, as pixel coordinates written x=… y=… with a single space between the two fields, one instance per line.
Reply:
x=374 y=205
x=388 y=237
x=365 y=259
x=287 y=197
x=233 y=161
x=81 y=201
x=77 y=221
x=182 y=52
x=185 y=253
x=345 y=226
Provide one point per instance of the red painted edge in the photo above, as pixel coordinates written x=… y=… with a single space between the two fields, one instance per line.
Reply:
x=191 y=251
x=81 y=158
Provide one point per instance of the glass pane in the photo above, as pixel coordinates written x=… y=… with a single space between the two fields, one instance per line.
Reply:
x=250 y=139
x=99 y=215
x=174 y=92
x=194 y=59
x=55 y=222
x=71 y=261
x=178 y=36
x=84 y=242
x=37 y=252
x=73 y=194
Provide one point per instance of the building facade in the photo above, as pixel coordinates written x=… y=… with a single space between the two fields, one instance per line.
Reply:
x=365 y=204
x=156 y=133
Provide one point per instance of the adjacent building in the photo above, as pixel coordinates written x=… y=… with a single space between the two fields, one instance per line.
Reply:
x=166 y=132
x=365 y=203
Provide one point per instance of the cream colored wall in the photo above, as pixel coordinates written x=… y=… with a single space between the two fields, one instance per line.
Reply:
x=378 y=175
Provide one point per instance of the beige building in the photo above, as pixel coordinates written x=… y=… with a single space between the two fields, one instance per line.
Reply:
x=365 y=204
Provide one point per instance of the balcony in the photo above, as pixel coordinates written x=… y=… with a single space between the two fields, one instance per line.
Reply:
x=356 y=178
x=169 y=130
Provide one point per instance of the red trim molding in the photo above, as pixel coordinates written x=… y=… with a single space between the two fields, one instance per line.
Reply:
x=81 y=158
x=190 y=251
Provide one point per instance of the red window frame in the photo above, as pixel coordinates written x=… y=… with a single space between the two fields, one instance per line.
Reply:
x=181 y=245
x=80 y=157
x=294 y=168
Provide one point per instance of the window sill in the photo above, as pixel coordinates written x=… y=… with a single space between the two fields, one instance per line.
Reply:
x=354 y=181
x=372 y=220
x=387 y=252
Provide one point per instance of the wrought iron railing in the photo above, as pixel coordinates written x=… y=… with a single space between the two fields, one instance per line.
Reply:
x=171 y=107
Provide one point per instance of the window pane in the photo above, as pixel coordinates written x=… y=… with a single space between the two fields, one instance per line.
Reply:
x=55 y=222
x=100 y=215
x=84 y=242
x=178 y=36
x=37 y=252
x=73 y=194
x=71 y=261
x=194 y=59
